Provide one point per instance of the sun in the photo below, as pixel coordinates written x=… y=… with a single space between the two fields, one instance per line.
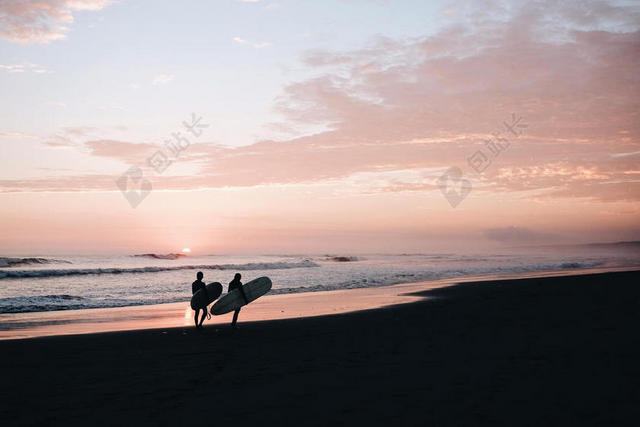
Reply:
x=186 y=250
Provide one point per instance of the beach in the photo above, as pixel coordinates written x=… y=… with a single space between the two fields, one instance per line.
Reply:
x=426 y=212
x=553 y=350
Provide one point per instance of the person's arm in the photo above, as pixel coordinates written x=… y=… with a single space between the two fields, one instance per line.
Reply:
x=246 y=301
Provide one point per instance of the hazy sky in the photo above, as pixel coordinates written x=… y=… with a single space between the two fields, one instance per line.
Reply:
x=327 y=126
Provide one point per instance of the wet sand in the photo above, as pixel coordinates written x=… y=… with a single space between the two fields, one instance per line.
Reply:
x=555 y=350
x=268 y=307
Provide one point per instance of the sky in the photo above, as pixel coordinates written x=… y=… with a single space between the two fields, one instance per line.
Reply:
x=261 y=126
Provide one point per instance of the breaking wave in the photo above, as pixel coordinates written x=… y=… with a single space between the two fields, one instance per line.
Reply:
x=14 y=274
x=17 y=262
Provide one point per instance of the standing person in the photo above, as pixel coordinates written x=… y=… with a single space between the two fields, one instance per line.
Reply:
x=195 y=287
x=237 y=284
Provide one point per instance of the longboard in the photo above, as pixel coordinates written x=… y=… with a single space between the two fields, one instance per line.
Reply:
x=199 y=300
x=234 y=300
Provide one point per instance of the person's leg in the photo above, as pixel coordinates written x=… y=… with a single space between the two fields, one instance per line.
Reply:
x=204 y=314
x=235 y=318
x=195 y=317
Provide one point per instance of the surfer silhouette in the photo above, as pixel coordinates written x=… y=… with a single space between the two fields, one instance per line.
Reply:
x=237 y=284
x=195 y=287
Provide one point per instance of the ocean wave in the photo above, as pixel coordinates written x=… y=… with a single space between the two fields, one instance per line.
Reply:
x=36 y=303
x=17 y=262
x=340 y=258
x=160 y=256
x=15 y=274
x=569 y=265
x=41 y=303
x=328 y=277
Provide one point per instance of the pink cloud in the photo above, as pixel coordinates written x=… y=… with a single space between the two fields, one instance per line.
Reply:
x=41 y=21
x=428 y=103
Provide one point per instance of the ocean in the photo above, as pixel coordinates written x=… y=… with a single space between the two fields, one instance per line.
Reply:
x=44 y=283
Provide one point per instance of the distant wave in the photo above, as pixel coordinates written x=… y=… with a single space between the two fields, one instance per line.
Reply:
x=569 y=265
x=160 y=256
x=340 y=258
x=84 y=271
x=17 y=262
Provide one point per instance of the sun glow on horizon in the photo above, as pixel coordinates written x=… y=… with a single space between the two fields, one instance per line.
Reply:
x=186 y=251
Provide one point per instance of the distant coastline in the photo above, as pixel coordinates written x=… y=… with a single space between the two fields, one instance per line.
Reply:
x=628 y=244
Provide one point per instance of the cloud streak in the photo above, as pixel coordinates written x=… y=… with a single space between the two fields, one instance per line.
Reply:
x=257 y=45
x=162 y=79
x=21 y=68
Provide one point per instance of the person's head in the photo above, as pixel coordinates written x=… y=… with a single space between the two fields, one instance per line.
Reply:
x=199 y=275
x=237 y=276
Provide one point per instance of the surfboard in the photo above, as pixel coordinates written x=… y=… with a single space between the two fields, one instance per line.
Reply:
x=233 y=300
x=200 y=300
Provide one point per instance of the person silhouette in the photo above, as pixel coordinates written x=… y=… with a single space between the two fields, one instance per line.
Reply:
x=195 y=287
x=237 y=284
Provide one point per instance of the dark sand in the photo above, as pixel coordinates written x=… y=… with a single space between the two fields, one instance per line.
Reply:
x=546 y=351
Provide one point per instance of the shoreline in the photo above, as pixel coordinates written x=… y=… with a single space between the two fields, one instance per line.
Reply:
x=558 y=350
x=267 y=308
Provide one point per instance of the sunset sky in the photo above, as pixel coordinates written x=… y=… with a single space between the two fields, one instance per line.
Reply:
x=326 y=126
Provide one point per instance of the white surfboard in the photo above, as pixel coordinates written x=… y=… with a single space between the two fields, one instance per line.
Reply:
x=234 y=300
